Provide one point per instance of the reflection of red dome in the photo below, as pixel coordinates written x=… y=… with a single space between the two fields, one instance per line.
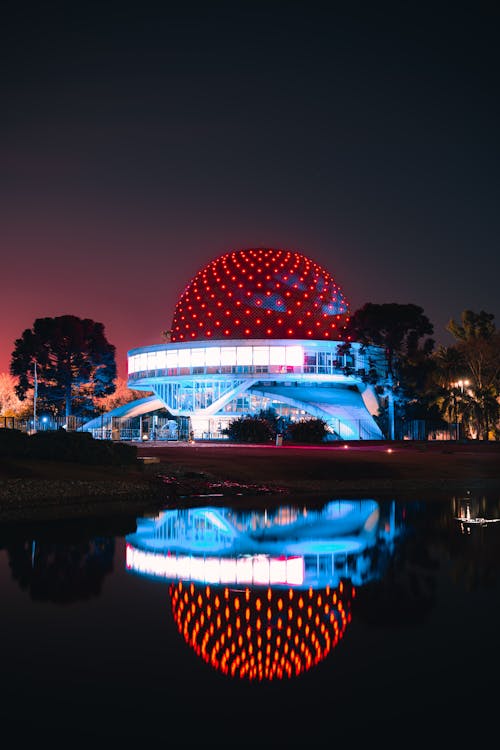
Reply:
x=260 y=293
x=261 y=634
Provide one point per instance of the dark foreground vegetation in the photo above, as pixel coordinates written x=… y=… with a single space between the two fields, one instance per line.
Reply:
x=59 y=445
x=65 y=474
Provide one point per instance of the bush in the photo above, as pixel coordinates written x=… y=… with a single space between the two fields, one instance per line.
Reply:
x=307 y=431
x=13 y=443
x=250 y=430
x=80 y=447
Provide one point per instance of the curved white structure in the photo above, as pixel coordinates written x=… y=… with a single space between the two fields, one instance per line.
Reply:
x=215 y=382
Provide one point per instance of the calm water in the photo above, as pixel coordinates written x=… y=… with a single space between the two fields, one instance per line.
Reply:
x=353 y=621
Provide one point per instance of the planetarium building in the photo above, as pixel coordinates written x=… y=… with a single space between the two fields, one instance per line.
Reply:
x=256 y=329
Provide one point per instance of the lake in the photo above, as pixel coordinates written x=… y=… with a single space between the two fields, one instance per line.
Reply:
x=229 y=623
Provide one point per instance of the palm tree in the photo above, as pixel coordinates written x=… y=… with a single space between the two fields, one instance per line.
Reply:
x=448 y=373
x=478 y=345
x=484 y=411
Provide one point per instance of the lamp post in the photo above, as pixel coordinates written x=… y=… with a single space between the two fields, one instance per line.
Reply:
x=35 y=394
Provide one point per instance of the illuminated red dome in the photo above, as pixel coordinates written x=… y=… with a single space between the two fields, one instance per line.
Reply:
x=260 y=293
x=259 y=635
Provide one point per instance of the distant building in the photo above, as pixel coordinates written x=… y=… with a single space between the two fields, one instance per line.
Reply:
x=255 y=329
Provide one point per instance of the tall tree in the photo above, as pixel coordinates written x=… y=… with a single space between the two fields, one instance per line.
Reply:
x=478 y=343
x=74 y=363
x=402 y=330
x=478 y=347
x=446 y=386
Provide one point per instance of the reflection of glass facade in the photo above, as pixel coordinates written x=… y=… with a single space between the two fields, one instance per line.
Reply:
x=263 y=595
x=284 y=546
x=258 y=329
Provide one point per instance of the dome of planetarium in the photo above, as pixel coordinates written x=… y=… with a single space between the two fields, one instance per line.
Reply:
x=261 y=293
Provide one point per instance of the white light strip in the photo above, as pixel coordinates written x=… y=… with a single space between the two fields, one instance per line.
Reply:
x=219 y=356
x=251 y=569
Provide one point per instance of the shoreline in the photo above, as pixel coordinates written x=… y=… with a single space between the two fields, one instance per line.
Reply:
x=191 y=474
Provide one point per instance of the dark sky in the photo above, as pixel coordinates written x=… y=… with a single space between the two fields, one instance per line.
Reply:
x=138 y=142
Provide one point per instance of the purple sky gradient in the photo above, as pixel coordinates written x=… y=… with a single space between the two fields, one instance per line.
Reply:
x=137 y=145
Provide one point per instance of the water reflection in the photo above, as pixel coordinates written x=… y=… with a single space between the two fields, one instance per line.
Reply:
x=264 y=595
x=59 y=572
x=473 y=512
x=278 y=623
x=62 y=562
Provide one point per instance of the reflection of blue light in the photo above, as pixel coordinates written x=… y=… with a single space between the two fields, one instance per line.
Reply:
x=217 y=521
x=327 y=546
x=224 y=545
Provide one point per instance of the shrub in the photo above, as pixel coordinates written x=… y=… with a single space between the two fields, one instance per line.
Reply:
x=307 y=431
x=250 y=430
x=13 y=443
x=80 y=447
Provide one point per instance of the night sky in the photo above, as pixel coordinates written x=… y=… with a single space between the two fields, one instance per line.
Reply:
x=138 y=144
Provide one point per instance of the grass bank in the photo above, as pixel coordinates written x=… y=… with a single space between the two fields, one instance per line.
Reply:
x=35 y=489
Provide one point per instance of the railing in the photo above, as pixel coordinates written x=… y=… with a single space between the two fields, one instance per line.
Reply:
x=42 y=424
x=133 y=430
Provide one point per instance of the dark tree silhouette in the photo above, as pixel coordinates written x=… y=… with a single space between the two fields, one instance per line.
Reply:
x=478 y=350
x=74 y=363
x=402 y=330
x=62 y=573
